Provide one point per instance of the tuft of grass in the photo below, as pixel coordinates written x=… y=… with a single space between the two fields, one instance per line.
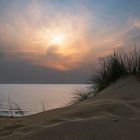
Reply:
x=14 y=108
x=112 y=67
x=81 y=96
x=115 y=66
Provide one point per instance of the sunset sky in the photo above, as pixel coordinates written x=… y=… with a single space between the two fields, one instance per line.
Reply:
x=60 y=41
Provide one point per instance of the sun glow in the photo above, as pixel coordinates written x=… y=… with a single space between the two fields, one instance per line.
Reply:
x=54 y=37
x=58 y=46
x=58 y=39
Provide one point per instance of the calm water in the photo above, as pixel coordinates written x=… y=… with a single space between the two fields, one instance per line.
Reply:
x=34 y=98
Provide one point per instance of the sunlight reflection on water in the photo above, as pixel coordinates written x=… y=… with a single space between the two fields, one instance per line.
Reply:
x=33 y=98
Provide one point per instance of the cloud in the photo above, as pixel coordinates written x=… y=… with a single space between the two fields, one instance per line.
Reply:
x=25 y=34
x=134 y=22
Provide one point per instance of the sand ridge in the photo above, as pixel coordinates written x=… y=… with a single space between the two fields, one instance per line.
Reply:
x=114 y=114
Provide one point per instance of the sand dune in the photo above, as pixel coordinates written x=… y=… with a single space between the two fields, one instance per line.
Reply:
x=114 y=114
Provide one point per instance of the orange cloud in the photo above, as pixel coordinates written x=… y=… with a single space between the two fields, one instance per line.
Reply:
x=34 y=35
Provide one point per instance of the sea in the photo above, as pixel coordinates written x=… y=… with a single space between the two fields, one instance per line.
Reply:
x=26 y=99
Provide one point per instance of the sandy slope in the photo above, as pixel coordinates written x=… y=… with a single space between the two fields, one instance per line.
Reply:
x=114 y=114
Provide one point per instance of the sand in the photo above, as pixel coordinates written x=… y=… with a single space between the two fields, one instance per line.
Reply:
x=114 y=114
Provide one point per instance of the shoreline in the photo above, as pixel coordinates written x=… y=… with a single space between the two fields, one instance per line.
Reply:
x=112 y=114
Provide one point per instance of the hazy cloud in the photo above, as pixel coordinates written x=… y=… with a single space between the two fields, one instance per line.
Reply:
x=92 y=29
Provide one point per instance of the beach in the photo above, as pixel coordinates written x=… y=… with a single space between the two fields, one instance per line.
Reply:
x=111 y=115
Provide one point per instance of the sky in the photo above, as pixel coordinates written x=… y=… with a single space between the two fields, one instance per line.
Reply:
x=60 y=41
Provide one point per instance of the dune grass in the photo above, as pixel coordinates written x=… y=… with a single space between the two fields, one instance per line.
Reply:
x=115 y=66
x=112 y=67
x=81 y=96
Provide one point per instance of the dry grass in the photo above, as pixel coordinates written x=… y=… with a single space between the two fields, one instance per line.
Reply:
x=112 y=67
x=115 y=66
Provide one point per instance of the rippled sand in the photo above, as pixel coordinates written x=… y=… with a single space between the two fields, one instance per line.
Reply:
x=114 y=114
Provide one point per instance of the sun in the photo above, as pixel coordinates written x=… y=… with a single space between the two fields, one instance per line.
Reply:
x=58 y=39
x=53 y=37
